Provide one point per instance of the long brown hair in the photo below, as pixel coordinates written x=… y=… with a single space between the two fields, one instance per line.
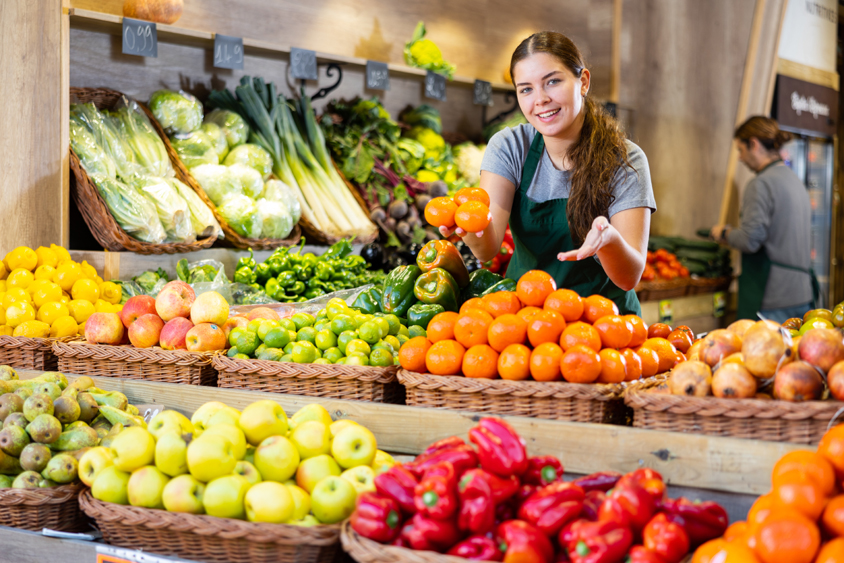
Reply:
x=600 y=150
x=766 y=130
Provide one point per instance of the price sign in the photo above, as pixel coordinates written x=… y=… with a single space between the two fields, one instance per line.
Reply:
x=666 y=312
x=303 y=64
x=483 y=93
x=377 y=76
x=139 y=38
x=228 y=52
x=435 y=86
x=109 y=554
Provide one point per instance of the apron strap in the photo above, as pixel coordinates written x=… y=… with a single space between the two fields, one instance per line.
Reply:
x=532 y=162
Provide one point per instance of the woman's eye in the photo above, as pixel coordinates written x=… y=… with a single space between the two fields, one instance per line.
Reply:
x=524 y=90
x=553 y=81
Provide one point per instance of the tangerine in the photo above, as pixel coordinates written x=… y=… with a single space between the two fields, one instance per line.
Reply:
x=634 y=364
x=472 y=216
x=534 y=287
x=473 y=303
x=471 y=327
x=580 y=333
x=831 y=552
x=566 y=302
x=545 y=362
x=831 y=447
x=545 y=326
x=514 y=362
x=650 y=361
x=506 y=330
x=640 y=330
x=833 y=517
x=441 y=326
x=597 y=306
x=471 y=194
x=527 y=313
x=659 y=330
x=761 y=509
x=812 y=463
x=445 y=357
x=412 y=354
x=480 y=362
x=798 y=492
x=665 y=350
x=613 y=366
x=502 y=303
x=581 y=364
x=721 y=551
x=440 y=212
x=787 y=537
x=615 y=331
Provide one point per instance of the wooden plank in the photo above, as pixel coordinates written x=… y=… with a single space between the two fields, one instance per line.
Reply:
x=808 y=74
x=111 y=266
x=23 y=546
x=615 y=65
x=64 y=142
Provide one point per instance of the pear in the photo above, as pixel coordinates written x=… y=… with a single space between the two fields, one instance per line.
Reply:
x=75 y=424
x=66 y=409
x=49 y=388
x=24 y=393
x=27 y=480
x=39 y=403
x=5 y=387
x=10 y=403
x=80 y=452
x=47 y=484
x=9 y=465
x=133 y=410
x=108 y=437
x=8 y=373
x=114 y=399
x=62 y=468
x=13 y=440
x=77 y=438
x=88 y=409
x=46 y=377
x=71 y=392
x=5 y=482
x=81 y=383
x=45 y=429
x=100 y=421
x=15 y=419
x=115 y=415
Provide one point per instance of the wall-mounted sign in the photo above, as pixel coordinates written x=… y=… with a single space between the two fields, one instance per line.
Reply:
x=377 y=76
x=435 y=86
x=303 y=64
x=228 y=52
x=810 y=33
x=140 y=38
x=805 y=106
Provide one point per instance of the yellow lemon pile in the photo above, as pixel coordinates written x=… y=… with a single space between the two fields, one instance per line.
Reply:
x=43 y=293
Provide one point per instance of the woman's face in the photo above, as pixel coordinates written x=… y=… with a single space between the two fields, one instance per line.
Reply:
x=550 y=95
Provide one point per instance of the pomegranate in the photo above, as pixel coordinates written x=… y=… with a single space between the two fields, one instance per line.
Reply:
x=692 y=378
x=835 y=380
x=740 y=327
x=719 y=344
x=733 y=381
x=763 y=347
x=822 y=347
x=798 y=381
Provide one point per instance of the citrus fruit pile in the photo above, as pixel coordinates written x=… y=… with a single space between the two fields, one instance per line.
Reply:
x=45 y=293
x=469 y=210
x=544 y=333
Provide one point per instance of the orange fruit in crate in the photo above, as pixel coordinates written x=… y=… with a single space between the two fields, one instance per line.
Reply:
x=613 y=366
x=471 y=327
x=659 y=330
x=650 y=361
x=798 y=492
x=545 y=362
x=546 y=326
x=445 y=357
x=505 y=330
x=471 y=194
x=514 y=362
x=527 y=313
x=833 y=517
x=615 y=331
x=566 y=302
x=472 y=216
x=412 y=354
x=633 y=363
x=640 y=330
x=502 y=303
x=665 y=350
x=787 y=536
x=597 y=306
x=737 y=531
x=761 y=509
x=721 y=551
x=534 y=287
x=473 y=303
x=441 y=326
x=831 y=552
x=581 y=364
x=812 y=463
x=680 y=339
x=440 y=212
x=580 y=333
x=831 y=447
x=480 y=362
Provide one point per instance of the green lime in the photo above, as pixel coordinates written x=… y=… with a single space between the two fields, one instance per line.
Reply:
x=234 y=334
x=393 y=341
x=334 y=309
x=232 y=352
x=342 y=323
x=277 y=337
x=272 y=354
x=336 y=301
x=320 y=316
x=415 y=331
x=322 y=361
x=384 y=325
x=383 y=345
x=241 y=356
x=288 y=348
x=322 y=324
x=394 y=322
x=815 y=322
x=293 y=335
x=253 y=326
x=265 y=327
x=286 y=323
x=380 y=357
x=301 y=320
x=404 y=331
x=306 y=333
x=344 y=338
x=370 y=332
x=358 y=346
x=304 y=353
x=402 y=338
x=286 y=358
x=247 y=343
x=359 y=320
x=332 y=354
x=259 y=349
x=325 y=339
x=341 y=361
x=357 y=360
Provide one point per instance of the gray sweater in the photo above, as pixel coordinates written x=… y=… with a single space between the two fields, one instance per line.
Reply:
x=776 y=214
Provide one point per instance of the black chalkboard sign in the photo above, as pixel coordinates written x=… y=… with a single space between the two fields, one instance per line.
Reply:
x=228 y=51
x=377 y=76
x=303 y=64
x=435 y=86
x=139 y=38
x=483 y=93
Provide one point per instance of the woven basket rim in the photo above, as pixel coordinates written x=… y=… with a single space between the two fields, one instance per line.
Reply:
x=657 y=285
x=366 y=550
x=128 y=353
x=31 y=343
x=40 y=497
x=285 y=370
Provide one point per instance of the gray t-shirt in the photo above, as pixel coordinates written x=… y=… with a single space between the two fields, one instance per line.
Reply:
x=505 y=155
x=776 y=213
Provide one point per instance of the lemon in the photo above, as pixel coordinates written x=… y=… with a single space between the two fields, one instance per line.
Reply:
x=44 y=272
x=14 y=295
x=110 y=292
x=20 y=277
x=80 y=310
x=81 y=331
x=64 y=326
x=32 y=329
x=60 y=252
x=21 y=257
x=18 y=313
x=102 y=306
x=2 y=316
x=4 y=272
x=85 y=289
x=6 y=330
x=36 y=285
x=98 y=280
x=65 y=299
x=45 y=294
x=46 y=257
x=88 y=271
x=67 y=274
x=117 y=308
x=2 y=284
x=51 y=311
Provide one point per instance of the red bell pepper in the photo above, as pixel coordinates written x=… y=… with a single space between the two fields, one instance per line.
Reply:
x=461 y=457
x=400 y=541
x=398 y=484
x=702 y=521
x=552 y=507
x=442 y=445
x=508 y=236
x=592 y=503
x=436 y=496
x=502 y=489
x=524 y=492
x=477 y=548
x=500 y=449
x=505 y=253
x=601 y=481
x=423 y=533
x=477 y=509
x=666 y=538
x=493 y=265
x=506 y=511
x=641 y=554
x=376 y=517
x=599 y=542
x=630 y=505
x=543 y=470
x=649 y=480
x=523 y=543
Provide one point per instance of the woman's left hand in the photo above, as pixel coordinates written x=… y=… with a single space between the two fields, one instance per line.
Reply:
x=597 y=237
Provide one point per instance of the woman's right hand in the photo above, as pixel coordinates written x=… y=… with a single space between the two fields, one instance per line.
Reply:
x=446 y=232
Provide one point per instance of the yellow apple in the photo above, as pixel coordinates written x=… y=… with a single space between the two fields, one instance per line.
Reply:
x=248 y=471
x=311 y=438
x=145 y=487
x=312 y=411
x=269 y=502
x=354 y=446
x=133 y=448
x=382 y=462
x=93 y=462
x=263 y=419
x=169 y=421
x=314 y=469
x=210 y=457
x=333 y=500
x=224 y=496
x=231 y=433
x=183 y=494
x=171 y=454
x=361 y=477
x=111 y=485
x=301 y=499
x=339 y=425
x=276 y=459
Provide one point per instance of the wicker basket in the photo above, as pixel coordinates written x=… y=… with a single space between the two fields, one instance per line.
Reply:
x=128 y=362
x=30 y=353
x=708 y=285
x=556 y=400
x=208 y=538
x=35 y=509
x=355 y=383
x=662 y=289
x=753 y=419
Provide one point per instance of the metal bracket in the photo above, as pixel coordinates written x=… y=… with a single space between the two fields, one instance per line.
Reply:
x=501 y=116
x=323 y=92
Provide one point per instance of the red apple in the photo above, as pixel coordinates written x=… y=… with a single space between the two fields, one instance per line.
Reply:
x=209 y=307
x=263 y=313
x=206 y=337
x=145 y=331
x=174 y=332
x=135 y=307
x=175 y=300
x=234 y=322
x=104 y=328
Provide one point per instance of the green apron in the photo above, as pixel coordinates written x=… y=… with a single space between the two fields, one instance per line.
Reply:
x=541 y=231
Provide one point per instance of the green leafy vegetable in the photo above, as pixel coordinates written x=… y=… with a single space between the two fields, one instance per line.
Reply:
x=177 y=113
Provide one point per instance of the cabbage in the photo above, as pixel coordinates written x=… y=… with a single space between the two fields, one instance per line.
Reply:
x=137 y=131
x=172 y=209
x=233 y=126
x=275 y=219
x=195 y=149
x=249 y=179
x=94 y=159
x=201 y=217
x=132 y=211
x=241 y=214
x=175 y=111
x=276 y=190
x=252 y=156
x=107 y=135
x=218 y=138
x=216 y=181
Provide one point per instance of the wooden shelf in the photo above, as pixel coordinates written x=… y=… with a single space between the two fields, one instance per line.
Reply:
x=112 y=24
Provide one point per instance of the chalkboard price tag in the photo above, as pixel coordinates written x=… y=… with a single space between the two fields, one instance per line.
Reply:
x=435 y=86
x=228 y=52
x=303 y=64
x=483 y=93
x=139 y=38
x=377 y=76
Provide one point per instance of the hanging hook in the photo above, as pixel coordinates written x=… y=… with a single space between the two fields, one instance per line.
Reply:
x=323 y=92
x=508 y=96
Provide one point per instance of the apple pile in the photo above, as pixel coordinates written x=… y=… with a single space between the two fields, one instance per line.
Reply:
x=177 y=319
x=256 y=465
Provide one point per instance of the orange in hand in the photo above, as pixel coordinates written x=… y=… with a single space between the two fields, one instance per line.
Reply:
x=615 y=331
x=597 y=306
x=534 y=287
x=412 y=354
x=581 y=364
x=633 y=363
x=545 y=362
x=613 y=366
x=566 y=302
x=440 y=212
x=545 y=326
x=471 y=194
x=505 y=330
x=480 y=362
x=441 y=326
x=502 y=303
x=445 y=357
x=471 y=327
x=580 y=333
x=472 y=216
x=514 y=362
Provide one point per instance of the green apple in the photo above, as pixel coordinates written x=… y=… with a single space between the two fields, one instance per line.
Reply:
x=307 y=521
x=269 y=502
x=263 y=419
x=227 y=415
x=171 y=453
x=231 y=433
x=204 y=413
x=169 y=421
x=250 y=454
x=312 y=470
x=92 y=462
x=210 y=458
x=311 y=438
x=339 y=425
x=382 y=462
x=133 y=448
x=301 y=500
x=111 y=485
x=361 y=477
x=247 y=470
x=224 y=497
x=183 y=494
x=333 y=500
x=276 y=459
x=354 y=446
x=145 y=487
x=312 y=411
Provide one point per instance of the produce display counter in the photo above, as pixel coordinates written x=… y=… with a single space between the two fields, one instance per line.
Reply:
x=699 y=312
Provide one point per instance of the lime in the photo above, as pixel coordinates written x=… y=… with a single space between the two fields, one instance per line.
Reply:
x=394 y=322
x=306 y=333
x=358 y=346
x=321 y=361
x=362 y=318
x=341 y=361
x=370 y=332
x=272 y=354
x=247 y=342
x=415 y=331
x=334 y=309
x=301 y=320
x=392 y=341
x=232 y=352
x=260 y=349
x=383 y=345
x=324 y=324
x=332 y=355
x=320 y=315
x=304 y=352
x=342 y=323
x=357 y=360
x=325 y=339
x=335 y=301
x=288 y=348
x=402 y=339
x=286 y=323
x=234 y=334
x=344 y=338
x=277 y=337
x=383 y=324
x=380 y=357
x=286 y=358
x=254 y=325
x=241 y=357
x=265 y=327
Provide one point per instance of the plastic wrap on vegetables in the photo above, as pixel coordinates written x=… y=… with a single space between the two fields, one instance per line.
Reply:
x=252 y=156
x=218 y=138
x=195 y=149
x=177 y=112
x=275 y=219
x=250 y=180
x=171 y=207
x=108 y=137
x=201 y=217
x=148 y=147
x=241 y=213
x=233 y=126
x=217 y=182
x=276 y=190
x=94 y=159
x=132 y=211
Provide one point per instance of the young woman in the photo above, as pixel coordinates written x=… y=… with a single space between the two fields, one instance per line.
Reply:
x=576 y=194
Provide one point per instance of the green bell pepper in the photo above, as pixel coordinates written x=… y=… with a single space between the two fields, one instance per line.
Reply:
x=286 y=278
x=312 y=293
x=303 y=272
x=339 y=249
x=263 y=272
x=422 y=313
x=504 y=285
x=398 y=293
x=368 y=301
x=278 y=262
x=324 y=271
x=245 y=262
x=438 y=286
x=479 y=281
x=297 y=288
x=271 y=287
x=244 y=274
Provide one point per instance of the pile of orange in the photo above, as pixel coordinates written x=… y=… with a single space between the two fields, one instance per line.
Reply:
x=540 y=332
x=468 y=209
x=801 y=520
